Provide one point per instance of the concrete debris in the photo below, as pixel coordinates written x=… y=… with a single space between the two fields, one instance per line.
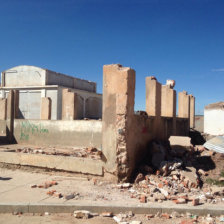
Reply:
x=82 y=214
x=106 y=214
x=180 y=145
x=125 y=185
x=91 y=152
x=135 y=222
x=70 y=196
x=174 y=178
x=139 y=178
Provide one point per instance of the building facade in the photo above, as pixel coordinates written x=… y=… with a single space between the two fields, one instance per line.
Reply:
x=34 y=83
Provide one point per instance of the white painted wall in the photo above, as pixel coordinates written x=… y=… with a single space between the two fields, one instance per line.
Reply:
x=24 y=76
x=214 y=121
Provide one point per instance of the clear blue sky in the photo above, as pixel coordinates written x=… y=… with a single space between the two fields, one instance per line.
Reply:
x=171 y=39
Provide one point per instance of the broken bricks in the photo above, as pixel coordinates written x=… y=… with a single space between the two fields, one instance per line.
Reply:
x=82 y=214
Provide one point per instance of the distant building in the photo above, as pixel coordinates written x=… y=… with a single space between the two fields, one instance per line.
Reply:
x=214 y=119
x=33 y=83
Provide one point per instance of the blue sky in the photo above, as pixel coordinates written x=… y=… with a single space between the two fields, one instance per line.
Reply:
x=170 y=39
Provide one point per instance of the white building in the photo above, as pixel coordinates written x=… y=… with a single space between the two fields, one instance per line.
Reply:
x=34 y=83
x=214 y=119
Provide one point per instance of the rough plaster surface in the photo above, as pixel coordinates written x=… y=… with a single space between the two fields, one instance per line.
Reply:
x=77 y=133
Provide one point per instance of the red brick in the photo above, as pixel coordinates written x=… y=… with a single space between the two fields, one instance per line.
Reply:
x=143 y=199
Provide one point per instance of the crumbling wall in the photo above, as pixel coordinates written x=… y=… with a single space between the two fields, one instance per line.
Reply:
x=126 y=135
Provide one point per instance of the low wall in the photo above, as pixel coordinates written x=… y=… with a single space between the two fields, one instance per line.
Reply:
x=76 y=133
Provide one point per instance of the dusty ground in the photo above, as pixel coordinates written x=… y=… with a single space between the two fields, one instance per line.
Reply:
x=69 y=219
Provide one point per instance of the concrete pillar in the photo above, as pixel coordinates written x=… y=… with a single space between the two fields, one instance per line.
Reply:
x=192 y=111
x=153 y=97
x=3 y=109
x=183 y=105
x=168 y=102
x=118 y=108
x=45 y=108
x=10 y=116
x=68 y=105
x=16 y=103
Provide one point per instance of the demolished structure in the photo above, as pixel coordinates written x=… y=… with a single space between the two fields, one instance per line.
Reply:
x=122 y=137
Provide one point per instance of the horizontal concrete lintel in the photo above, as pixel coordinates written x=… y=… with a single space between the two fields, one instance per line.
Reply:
x=70 y=208
x=72 y=164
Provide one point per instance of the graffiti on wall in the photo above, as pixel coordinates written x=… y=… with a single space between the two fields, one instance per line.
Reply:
x=29 y=128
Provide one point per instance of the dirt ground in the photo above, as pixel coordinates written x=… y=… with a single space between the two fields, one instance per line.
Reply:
x=70 y=219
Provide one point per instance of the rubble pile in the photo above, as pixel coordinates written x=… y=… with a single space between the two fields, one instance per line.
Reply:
x=131 y=218
x=174 y=174
x=90 y=152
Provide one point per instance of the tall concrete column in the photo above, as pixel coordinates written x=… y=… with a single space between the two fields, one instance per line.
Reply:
x=10 y=116
x=183 y=105
x=153 y=97
x=16 y=104
x=118 y=108
x=192 y=111
x=3 y=109
x=168 y=102
x=69 y=111
x=46 y=104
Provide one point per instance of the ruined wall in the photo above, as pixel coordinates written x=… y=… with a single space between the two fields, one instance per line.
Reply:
x=126 y=135
x=62 y=133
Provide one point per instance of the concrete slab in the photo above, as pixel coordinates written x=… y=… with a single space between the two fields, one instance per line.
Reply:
x=73 y=164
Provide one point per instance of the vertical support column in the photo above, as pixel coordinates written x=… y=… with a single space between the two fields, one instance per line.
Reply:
x=153 y=96
x=69 y=109
x=183 y=105
x=16 y=104
x=46 y=104
x=3 y=109
x=118 y=108
x=192 y=111
x=168 y=102
x=10 y=116
x=168 y=109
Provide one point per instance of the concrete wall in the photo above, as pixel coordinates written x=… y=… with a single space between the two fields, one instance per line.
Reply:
x=214 y=119
x=91 y=102
x=23 y=76
x=93 y=107
x=62 y=133
x=26 y=75
x=54 y=78
x=199 y=123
